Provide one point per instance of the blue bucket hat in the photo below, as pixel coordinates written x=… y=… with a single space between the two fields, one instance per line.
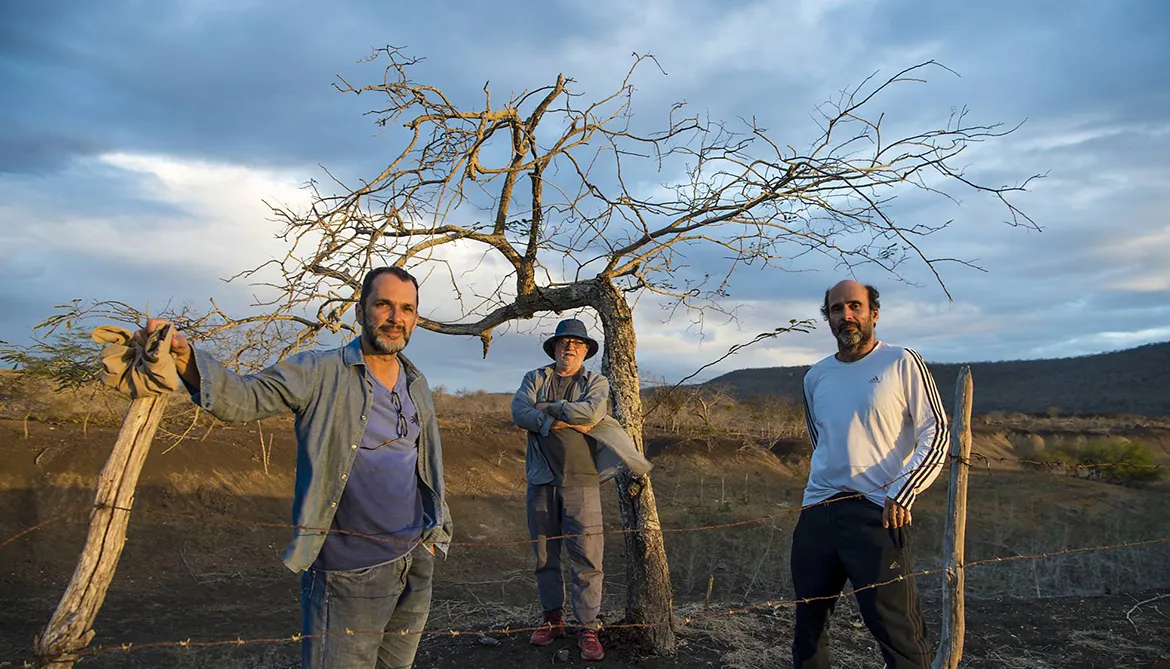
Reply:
x=570 y=327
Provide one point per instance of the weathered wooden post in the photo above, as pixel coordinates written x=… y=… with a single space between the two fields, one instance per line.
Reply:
x=71 y=627
x=950 y=646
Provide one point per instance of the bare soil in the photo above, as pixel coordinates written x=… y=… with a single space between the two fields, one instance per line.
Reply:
x=201 y=562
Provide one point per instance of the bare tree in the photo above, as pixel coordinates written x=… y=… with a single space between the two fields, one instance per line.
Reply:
x=549 y=185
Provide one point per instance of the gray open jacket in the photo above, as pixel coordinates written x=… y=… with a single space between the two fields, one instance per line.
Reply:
x=328 y=393
x=587 y=404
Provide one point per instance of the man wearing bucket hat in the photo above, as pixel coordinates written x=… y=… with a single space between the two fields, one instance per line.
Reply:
x=574 y=445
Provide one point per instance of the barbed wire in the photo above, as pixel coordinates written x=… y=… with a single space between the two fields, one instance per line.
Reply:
x=1068 y=465
x=517 y=542
x=771 y=605
x=686 y=620
x=47 y=521
x=476 y=543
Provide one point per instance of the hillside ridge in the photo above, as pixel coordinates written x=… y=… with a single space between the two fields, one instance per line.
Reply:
x=1129 y=381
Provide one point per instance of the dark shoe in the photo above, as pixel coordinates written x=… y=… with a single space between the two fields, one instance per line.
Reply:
x=590 y=646
x=553 y=628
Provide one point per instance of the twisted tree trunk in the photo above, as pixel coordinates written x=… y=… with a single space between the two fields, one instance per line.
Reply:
x=649 y=597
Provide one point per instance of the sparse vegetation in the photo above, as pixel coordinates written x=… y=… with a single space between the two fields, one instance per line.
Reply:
x=1118 y=460
x=729 y=463
x=710 y=412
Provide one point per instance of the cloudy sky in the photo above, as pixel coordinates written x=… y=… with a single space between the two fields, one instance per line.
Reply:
x=138 y=141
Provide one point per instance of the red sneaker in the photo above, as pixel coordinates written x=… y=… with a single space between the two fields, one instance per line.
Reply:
x=553 y=628
x=591 y=649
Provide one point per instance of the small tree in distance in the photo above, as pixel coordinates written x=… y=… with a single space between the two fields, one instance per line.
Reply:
x=67 y=359
x=549 y=185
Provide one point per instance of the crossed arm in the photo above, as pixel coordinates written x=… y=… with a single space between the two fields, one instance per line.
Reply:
x=540 y=417
x=551 y=409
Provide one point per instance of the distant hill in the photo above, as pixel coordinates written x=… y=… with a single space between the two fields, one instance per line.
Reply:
x=1133 y=381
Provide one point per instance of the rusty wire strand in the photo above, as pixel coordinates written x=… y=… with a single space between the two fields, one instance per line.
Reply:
x=685 y=620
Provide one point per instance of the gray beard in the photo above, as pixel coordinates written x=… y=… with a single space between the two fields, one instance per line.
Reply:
x=385 y=346
x=853 y=339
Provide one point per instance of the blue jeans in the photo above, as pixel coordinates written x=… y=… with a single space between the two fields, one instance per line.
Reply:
x=369 y=618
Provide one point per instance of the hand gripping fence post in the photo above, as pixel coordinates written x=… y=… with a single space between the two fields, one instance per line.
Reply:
x=71 y=627
x=950 y=646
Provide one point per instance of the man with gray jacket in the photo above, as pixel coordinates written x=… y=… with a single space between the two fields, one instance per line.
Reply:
x=369 y=505
x=573 y=446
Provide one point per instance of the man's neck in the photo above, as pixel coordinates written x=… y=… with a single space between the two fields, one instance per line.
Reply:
x=382 y=365
x=845 y=355
x=561 y=372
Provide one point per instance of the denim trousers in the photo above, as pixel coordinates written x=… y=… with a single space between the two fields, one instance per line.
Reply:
x=368 y=618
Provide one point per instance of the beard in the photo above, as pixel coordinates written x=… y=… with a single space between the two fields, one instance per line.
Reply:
x=854 y=338
x=379 y=340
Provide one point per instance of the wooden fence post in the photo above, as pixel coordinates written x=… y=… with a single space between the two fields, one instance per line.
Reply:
x=950 y=646
x=71 y=627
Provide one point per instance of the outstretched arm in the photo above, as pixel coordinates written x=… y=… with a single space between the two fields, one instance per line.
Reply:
x=286 y=386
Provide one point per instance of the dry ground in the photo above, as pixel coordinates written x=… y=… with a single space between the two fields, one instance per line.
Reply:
x=197 y=567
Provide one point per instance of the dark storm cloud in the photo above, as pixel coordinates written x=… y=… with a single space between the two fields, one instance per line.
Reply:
x=39 y=151
x=244 y=84
x=234 y=81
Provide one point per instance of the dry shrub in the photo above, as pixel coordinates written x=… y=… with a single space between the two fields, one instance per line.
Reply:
x=1011 y=523
x=472 y=406
x=712 y=411
x=1113 y=460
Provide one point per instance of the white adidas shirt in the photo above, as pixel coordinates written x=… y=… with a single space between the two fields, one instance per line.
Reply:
x=877 y=426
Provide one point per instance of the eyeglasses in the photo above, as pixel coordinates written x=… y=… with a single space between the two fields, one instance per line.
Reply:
x=396 y=402
x=573 y=343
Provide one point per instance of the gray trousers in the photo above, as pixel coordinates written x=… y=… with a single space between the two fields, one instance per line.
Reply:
x=377 y=604
x=554 y=511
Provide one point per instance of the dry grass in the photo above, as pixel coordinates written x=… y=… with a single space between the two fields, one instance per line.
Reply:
x=716 y=468
x=710 y=412
x=284 y=656
x=718 y=463
x=763 y=640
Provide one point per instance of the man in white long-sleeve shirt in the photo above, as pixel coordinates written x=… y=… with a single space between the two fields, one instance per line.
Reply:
x=878 y=433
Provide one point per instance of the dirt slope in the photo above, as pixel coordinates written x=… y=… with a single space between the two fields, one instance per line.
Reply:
x=202 y=557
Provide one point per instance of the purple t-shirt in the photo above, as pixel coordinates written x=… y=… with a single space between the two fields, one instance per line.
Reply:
x=381 y=503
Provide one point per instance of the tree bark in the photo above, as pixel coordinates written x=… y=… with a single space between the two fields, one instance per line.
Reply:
x=950 y=646
x=71 y=627
x=649 y=596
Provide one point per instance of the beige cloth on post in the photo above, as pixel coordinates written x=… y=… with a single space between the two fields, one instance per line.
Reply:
x=133 y=369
